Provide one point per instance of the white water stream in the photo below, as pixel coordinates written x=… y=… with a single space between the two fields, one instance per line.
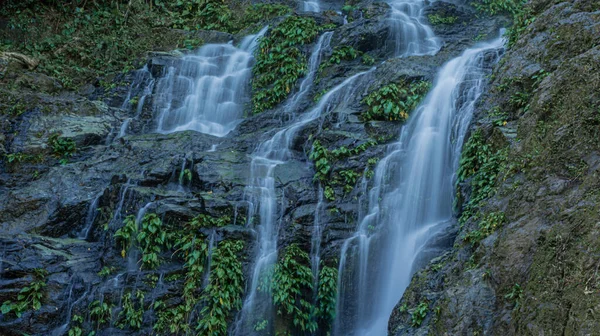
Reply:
x=206 y=91
x=411 y=199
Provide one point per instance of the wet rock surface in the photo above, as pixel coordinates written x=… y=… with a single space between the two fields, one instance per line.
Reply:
x=60 y=216
x=536 y=273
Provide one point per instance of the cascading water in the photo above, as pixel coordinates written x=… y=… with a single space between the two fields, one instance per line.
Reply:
x=410 y=37
x=311 y=6
x=411 y=199
x=313 y=66
x=206 y=91
x=143 y=78
x=263 y=201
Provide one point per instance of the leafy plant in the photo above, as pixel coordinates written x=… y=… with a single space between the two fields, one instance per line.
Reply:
x=490 y=223
x=152 y=239
x=130 y=316
x=339 y=54
x=367 y=59
x=394 y=101
x=124 y=235
x=329 y=193
x=29 y=297
x=62 y=148
x=100 y=312
x=419 y=314
x=349 y=178
x=225 y=287
x=76 y=326
x=515 y=295
x=522 y=16
x=105 y=271
x=480 y=163
x=279 y=61
x=292 y=279
x=320 y=156
x=327 y=294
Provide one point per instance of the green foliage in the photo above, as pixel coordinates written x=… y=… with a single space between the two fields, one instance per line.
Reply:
x=349 y=179
x=29 y=297
x=76 y=326
x=324 y=160
x=368 y=59
x=395 y=101
x=80 y=41
x=480 y=163
x=171 y=321
x=279 y=61
x=100 y=312
x=62 y=148
x=327 y=294
x=339 y=54
x=124 y=235
x=490 y=223
x=419 y=314
x=436 y=19
x=106 y=271
x=522 y=16
x=320 y=156
x=151 y=239
x=515 y=295
x=292 y=282
x=192 y=247
x=130 y=316
x=329 y=193
x=225 y=287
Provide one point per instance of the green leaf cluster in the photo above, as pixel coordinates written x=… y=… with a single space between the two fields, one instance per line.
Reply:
x=292 y=282
x=124 y=235
x=225 y=287
x=78 y=42
x=132 y=315
x=100 y=312
x=418 y=315
x=482 y=164
x=490 y=223
x=395 y=101
x=327 y=294
x=522 y=16
x=63 y=148
x=324 y=159
x=152 y=239
x=280 y=62
x=30 y=297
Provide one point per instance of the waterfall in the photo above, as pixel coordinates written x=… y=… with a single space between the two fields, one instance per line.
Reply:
x=263 y=201
x=411 y=199
x=410 y=37
x=311 y=6
x=313 y=67
x=206 y=91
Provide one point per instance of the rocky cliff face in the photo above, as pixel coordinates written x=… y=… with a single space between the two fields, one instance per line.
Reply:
x=68 y=182
x=525 y=259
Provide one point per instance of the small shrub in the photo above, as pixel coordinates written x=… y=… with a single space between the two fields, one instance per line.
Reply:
x=62 y=148
x=29 y=297
x=419 y=314
x=395 y=101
